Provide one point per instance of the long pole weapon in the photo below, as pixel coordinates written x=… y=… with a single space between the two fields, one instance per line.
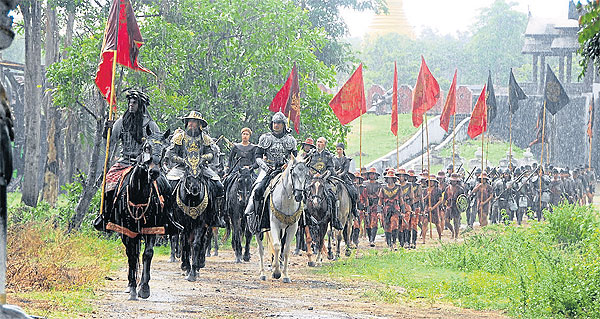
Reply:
x=510 y=138
x=110 y=118
x=481 y=176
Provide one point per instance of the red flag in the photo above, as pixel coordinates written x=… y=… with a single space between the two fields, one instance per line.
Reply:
x=425 y=95
x=349 y=103
x=450 y=106
x=292 y=107
x=394 y=127
x=122 y=38
x=478 y=122
x=281 y=98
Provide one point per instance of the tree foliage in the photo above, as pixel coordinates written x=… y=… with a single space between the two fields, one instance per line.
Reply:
x=226 y=59
x=589 y=35
x=494 y=44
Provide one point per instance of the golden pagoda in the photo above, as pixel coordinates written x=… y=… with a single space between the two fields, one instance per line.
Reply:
x=393 y=22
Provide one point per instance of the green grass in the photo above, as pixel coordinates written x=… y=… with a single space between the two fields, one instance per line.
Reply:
x=543 y=270
x=377 y=138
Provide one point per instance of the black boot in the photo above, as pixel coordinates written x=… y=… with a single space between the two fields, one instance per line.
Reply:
x=388 y=239
x=400 y=235
x=373 y=235
x=335 y=222
x=394 y=237
x=413 y=244
x=368 y=231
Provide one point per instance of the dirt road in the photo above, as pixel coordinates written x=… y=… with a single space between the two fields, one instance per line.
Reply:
x=228 y=290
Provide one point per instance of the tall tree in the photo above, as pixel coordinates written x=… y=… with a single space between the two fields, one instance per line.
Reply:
x=32 y=18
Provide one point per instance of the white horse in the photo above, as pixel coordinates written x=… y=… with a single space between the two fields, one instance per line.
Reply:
x=285 y=208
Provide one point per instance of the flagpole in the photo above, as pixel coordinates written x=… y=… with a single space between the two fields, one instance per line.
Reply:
x=481 y=178
x=542 y=157
x=453 y=136
x=360 y=143
x=428 y=174
x=422 y=149
x=509 y=139
x=397 y=151
x=110 y=117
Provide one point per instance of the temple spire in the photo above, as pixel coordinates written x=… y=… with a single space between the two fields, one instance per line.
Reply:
x=394 y=22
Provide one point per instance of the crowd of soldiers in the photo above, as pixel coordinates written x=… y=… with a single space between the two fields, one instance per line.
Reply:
x=406 y=202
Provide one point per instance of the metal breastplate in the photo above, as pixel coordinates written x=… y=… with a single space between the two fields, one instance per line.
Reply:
x=277 y=150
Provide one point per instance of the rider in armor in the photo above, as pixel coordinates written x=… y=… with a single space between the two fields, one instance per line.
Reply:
x=321 y=163
x=194 y=140
x=128 y=132
x=272 y=153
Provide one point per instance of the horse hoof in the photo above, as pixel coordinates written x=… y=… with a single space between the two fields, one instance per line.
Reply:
x=216 y=254
x=263 y=277
x=276 y=275
x=247 y=257
x=286 y=280
x=311 y=264
x=202 y=265
x=348 y=253
x=238 y=260
x=144 y=292
x=191 y=277
x=208 y=254
x=132 y=295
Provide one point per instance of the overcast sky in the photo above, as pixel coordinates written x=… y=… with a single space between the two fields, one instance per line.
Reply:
x=448 y=17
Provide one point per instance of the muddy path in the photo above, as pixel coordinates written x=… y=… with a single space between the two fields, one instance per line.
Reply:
x=228 y=290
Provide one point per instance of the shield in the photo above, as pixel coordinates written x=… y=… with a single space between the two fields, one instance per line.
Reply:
x=462 y=203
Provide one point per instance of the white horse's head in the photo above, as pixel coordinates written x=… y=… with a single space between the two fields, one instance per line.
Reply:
x=298 y=173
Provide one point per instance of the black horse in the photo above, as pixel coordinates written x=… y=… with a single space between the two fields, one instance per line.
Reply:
x=195 y=210
x=317 y=219
x=139 y=210
x=236 y=200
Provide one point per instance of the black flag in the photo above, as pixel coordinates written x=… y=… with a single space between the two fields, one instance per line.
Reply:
x=490 y=99
x=555 y=95
x=515 y=93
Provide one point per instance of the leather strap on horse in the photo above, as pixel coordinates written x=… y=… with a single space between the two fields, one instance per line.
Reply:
x=193 y=211
x=161 y=199
x=131 y=234
x=120 y=229
x=138 y=207
x=286 y=219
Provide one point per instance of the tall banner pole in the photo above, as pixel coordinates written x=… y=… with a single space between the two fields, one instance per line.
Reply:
x=110 y=118
x=510 y=139
x=397 y=152
x=428 y=179
x=481 y=178
x=453 y=136
x=423 y=147
x=360 y=143
x=542 y=156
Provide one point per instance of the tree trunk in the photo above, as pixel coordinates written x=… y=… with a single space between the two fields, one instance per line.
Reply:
x=51 y=186
x=32 y=16
x=90 y=188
